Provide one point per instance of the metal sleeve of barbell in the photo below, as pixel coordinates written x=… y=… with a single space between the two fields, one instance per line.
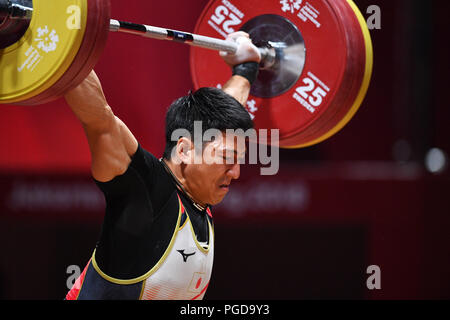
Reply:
x=4 y=8
x=173 y=35
x=13 y=9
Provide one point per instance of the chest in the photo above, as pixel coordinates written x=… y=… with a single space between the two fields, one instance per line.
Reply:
x=184 y=271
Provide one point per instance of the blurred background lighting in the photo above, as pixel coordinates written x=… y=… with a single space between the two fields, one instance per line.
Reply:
x=436 y=161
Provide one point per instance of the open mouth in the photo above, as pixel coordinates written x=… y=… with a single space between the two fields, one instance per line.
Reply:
x=224 y=186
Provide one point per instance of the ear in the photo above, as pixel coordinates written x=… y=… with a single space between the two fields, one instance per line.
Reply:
x=185 y=150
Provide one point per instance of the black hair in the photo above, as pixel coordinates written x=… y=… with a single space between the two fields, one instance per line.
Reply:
x=213 y=107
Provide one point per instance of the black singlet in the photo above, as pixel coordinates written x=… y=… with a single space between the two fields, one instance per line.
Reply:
x=141 y=213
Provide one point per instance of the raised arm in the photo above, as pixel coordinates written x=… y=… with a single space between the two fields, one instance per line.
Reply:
x=244 y=63
x=238 y=87
x=110 y=141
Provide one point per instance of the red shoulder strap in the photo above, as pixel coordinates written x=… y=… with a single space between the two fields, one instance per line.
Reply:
x=181 y=204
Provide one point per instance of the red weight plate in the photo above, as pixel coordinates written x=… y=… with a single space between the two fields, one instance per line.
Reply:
x=94 y=41
x=343 y=106
x=331 y=76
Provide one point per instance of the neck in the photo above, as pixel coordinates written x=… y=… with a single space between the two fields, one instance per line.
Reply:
x=177 y=173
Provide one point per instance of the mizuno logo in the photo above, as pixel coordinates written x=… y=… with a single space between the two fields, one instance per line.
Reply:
x=185 y=255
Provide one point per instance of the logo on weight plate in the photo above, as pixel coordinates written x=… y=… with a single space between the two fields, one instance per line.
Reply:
x=291 y=5
x=304 y=11
x=47 y=41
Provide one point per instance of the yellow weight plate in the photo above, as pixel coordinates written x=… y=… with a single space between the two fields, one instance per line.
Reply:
x=45 y=52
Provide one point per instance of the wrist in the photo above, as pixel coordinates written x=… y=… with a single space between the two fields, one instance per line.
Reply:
x=248 y=70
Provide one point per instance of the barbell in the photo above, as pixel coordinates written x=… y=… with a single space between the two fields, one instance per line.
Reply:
x=315 y=70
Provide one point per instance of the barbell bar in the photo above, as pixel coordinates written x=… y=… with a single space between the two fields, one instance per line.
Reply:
x=268 y=53
x=293 y=93
x=22 y=10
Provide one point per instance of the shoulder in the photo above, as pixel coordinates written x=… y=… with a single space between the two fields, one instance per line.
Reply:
x=144 y=169
x=143 y=160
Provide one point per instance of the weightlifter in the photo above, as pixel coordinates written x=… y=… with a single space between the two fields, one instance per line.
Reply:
x=157 y=238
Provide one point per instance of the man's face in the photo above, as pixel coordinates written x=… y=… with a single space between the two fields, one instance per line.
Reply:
x=208 y=180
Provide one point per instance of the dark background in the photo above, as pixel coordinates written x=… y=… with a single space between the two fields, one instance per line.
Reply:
x=363 y=197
